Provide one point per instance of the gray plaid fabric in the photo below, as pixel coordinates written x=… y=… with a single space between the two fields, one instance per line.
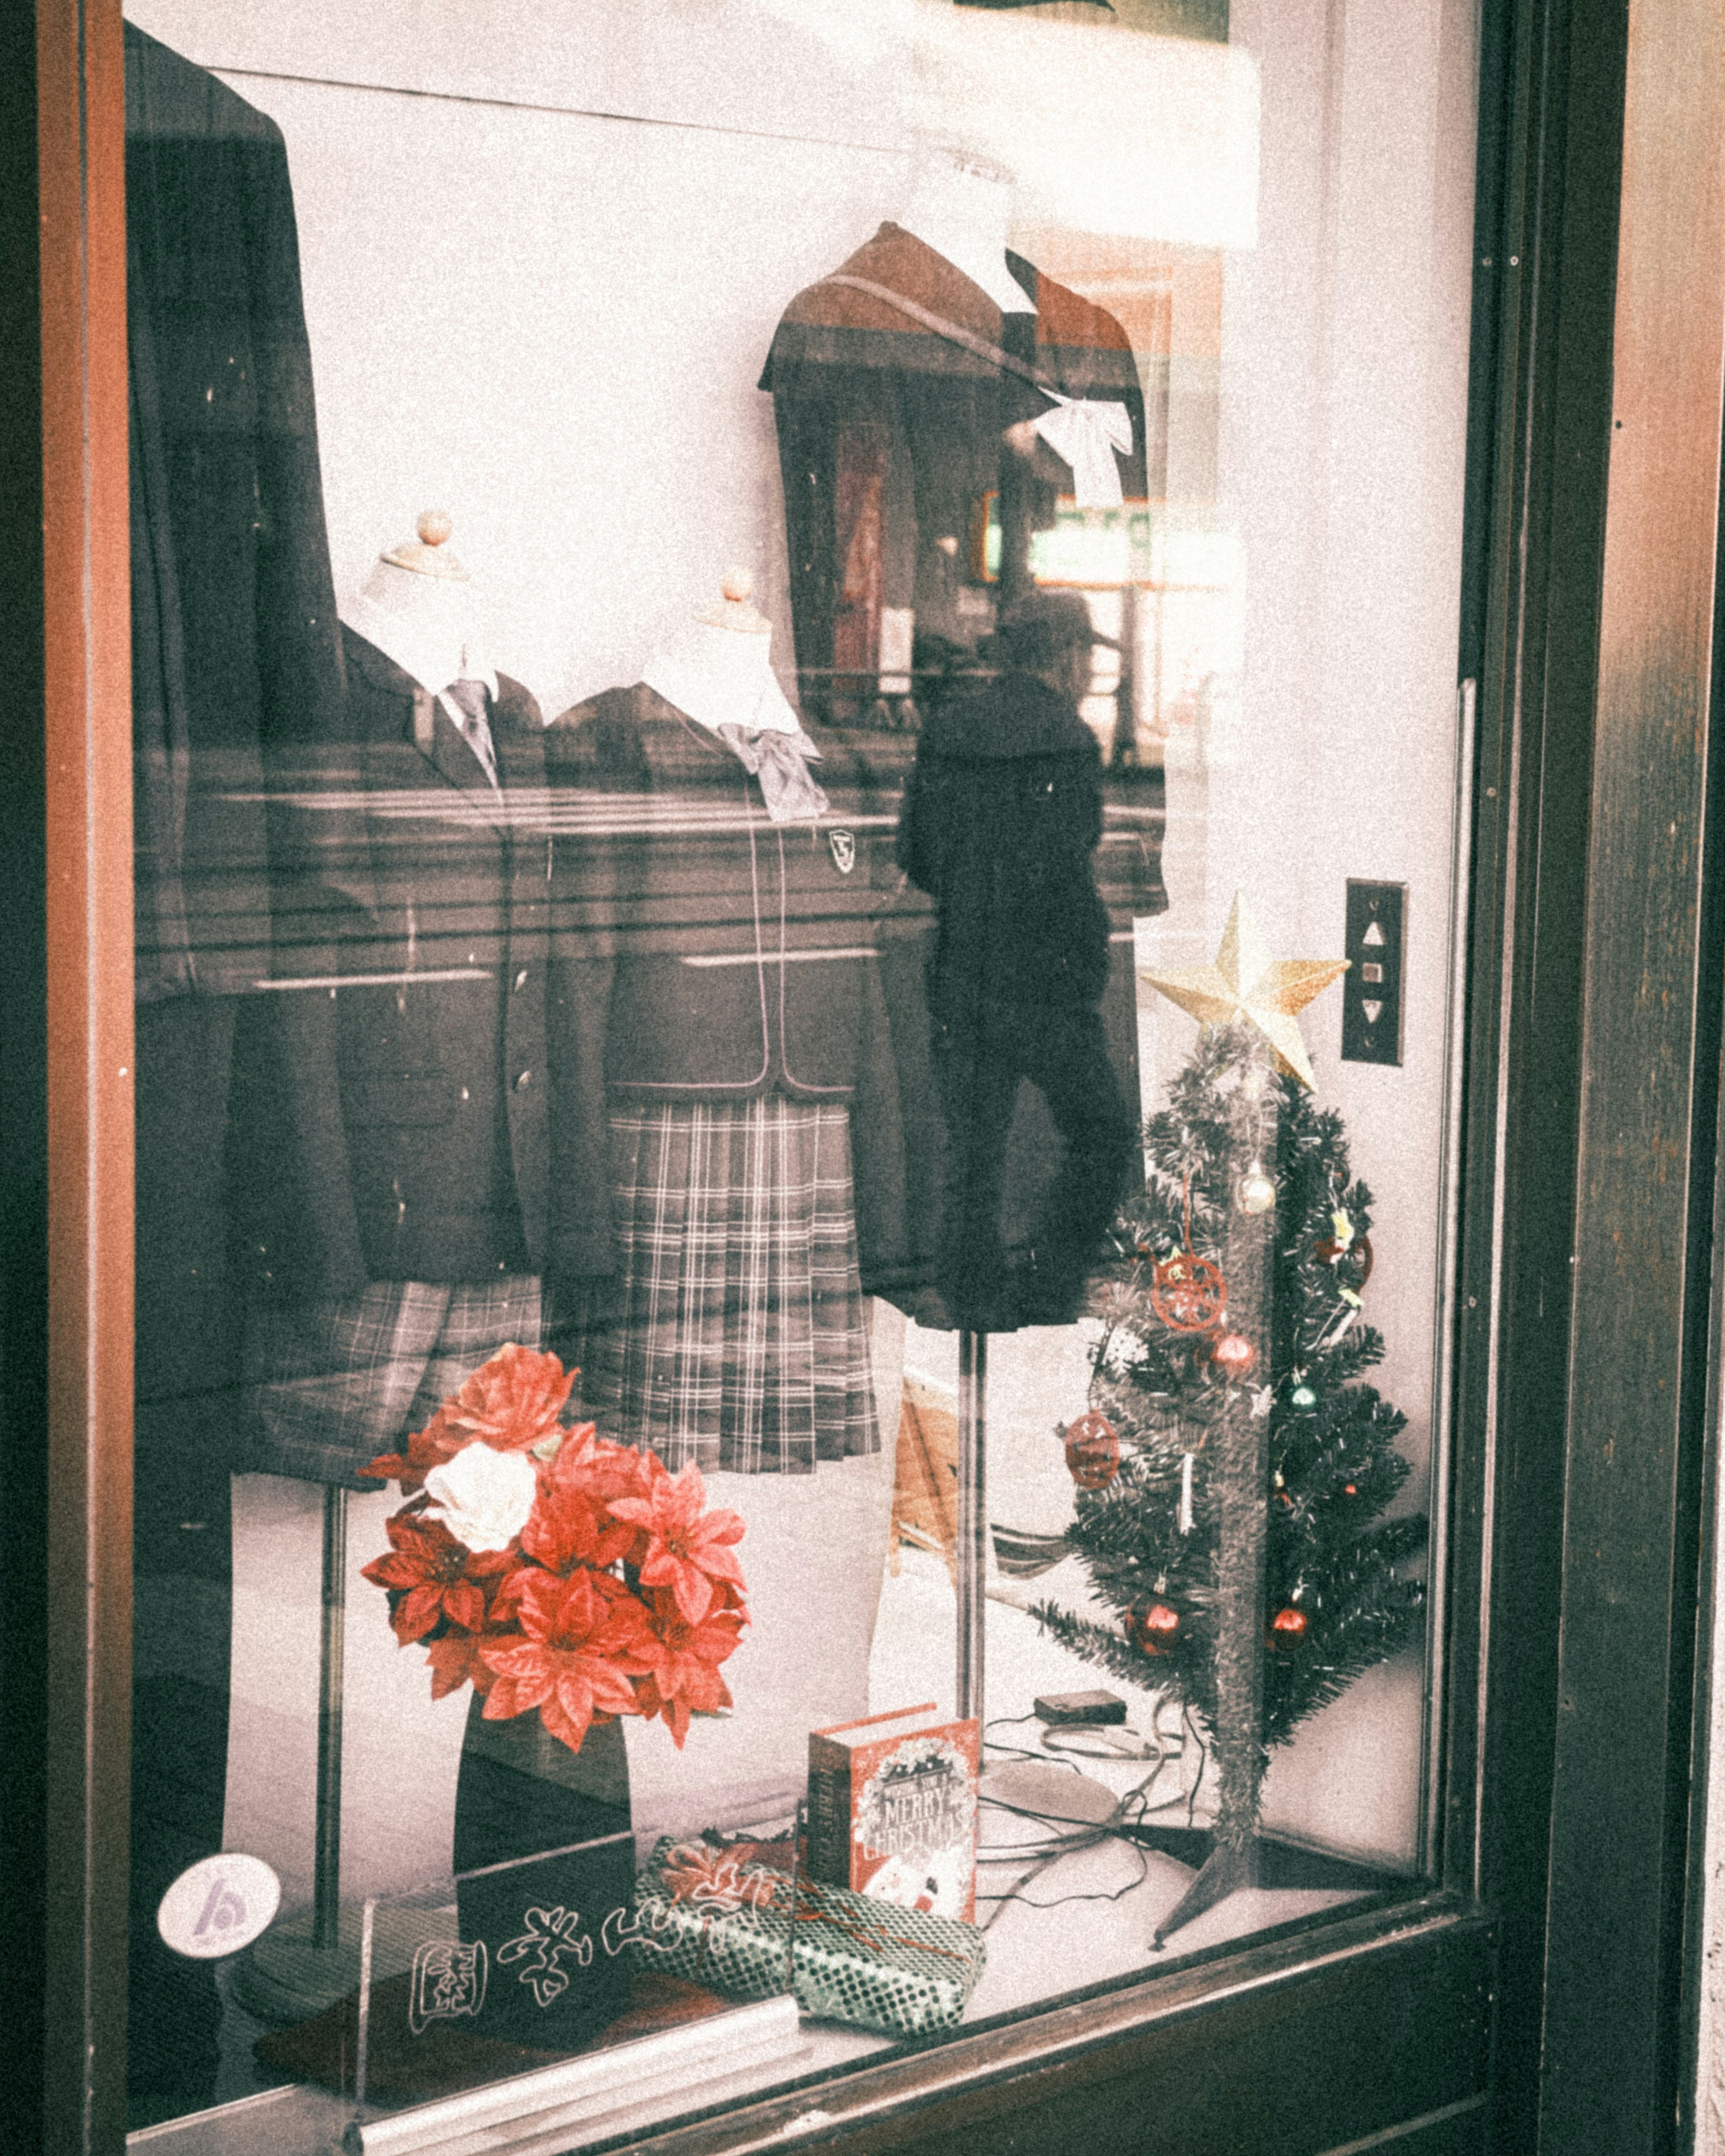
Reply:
x=330 y=1385
x=739 y=1338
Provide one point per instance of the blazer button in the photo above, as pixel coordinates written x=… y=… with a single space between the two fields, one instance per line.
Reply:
x=520 y=979
x=524 y=1081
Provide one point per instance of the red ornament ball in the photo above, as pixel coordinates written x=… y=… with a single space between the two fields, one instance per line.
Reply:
x=1234 y=1355
x=1352 y=1261
x=1154 y=1628
x=1286 y=1630
x=1092 y=1451
x=1187 y=1293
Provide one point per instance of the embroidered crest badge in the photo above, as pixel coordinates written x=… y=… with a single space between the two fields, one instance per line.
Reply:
x=843 y=846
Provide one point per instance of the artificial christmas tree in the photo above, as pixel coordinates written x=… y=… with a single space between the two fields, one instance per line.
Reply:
x=1239 y=1540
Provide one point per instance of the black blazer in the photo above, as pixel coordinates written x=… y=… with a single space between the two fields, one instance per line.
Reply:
x=720 y=956
x=742 y=949
x=890 y=441
x=393 y=1104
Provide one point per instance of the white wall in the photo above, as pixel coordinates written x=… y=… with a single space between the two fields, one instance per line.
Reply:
x=1343 y=433
x=546 y=318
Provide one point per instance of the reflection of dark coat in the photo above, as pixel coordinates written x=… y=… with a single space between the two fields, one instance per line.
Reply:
x=234 y=637
x=1126 y=866
x=890 y=443
x=730 y=956
x=1001 y=816
x=398 y=1128
x=233 y=644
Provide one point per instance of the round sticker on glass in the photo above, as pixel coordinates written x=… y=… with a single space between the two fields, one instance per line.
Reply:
x=218 y=1906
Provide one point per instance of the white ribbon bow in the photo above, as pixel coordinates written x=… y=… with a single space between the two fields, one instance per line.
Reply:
x=1086 y=435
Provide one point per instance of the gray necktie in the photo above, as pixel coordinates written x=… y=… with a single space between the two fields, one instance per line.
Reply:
x=469 y=698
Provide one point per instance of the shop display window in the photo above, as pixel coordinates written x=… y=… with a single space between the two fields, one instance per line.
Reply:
x=798 y=771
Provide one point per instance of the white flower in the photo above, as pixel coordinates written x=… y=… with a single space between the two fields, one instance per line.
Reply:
x=482 y=1497
x=1262 y=1401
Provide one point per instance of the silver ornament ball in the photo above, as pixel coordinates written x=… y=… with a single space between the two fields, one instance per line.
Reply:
x=1257 y=1190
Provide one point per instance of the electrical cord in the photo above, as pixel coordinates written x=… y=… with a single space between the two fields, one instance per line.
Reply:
x=1129 y=1812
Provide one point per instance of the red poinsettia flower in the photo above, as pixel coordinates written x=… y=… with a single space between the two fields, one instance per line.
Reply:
x=512 y=1403
x=454 y=1661
x=580 y=1649
x=431 y=1447
x=688 y=1547
x=683 y=1677
x=436 y=1577
x=572 y=1522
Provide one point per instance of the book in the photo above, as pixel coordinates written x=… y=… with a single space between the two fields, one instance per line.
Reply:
x=892 y=1810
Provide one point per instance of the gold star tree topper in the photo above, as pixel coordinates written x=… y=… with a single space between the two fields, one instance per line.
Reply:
x=1246 y=982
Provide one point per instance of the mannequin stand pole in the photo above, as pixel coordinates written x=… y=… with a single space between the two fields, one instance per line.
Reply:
x=972 y=1551
x=326 y=1857
x=299 y=1967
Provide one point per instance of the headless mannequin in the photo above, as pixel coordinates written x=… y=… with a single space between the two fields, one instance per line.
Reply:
x=717 y=669
x=418 y=606
x=961 y=206
x=816 y=1539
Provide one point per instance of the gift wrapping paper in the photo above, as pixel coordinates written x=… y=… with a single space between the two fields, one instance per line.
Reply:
x=724 y=1920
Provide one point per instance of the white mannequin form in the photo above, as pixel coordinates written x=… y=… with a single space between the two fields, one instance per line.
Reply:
x=717 y=669
x=420 y=608
x=961 y=205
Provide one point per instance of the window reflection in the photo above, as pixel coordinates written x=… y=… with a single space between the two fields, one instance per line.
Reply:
x=828 y=544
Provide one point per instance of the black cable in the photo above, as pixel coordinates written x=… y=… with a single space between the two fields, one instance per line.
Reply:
x=1188 y=1724
x=1061 y=1901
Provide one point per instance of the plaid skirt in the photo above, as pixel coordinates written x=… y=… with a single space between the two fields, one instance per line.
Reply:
x=330 y=1385
x=737 y=1337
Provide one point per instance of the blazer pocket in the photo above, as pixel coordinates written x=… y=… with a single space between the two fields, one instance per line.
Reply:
x=397 y=1103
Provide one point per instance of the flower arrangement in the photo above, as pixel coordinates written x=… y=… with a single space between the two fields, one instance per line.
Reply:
x=553 y=1570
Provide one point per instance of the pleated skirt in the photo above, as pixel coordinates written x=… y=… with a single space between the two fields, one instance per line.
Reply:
x=737 y=1337
x=330 y=1385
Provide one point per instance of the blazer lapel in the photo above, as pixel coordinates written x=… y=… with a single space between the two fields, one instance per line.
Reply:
x=455 y=762
x=430 y=730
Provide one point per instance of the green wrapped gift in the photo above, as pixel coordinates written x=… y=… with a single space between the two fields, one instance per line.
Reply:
x=722 y=1917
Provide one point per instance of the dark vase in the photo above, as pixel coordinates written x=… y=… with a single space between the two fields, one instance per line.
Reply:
x=543 y=1856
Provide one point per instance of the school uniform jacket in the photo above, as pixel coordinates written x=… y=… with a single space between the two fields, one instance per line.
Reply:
x=890 y=447
x=392 y=1116
x=724 y=957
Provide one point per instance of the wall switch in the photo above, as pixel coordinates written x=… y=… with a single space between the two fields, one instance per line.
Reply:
x=1372 y=985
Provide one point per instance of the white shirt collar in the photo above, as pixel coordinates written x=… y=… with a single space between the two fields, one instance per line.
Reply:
x=431 y=655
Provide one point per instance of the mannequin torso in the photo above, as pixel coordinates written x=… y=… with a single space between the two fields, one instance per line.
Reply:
x=961 y=206
x=717 y=669
x=424 y=616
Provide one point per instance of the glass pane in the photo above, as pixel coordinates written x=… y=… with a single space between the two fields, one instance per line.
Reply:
x=786 y=1293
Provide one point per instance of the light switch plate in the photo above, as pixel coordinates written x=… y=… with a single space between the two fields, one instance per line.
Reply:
x=1372 y=985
